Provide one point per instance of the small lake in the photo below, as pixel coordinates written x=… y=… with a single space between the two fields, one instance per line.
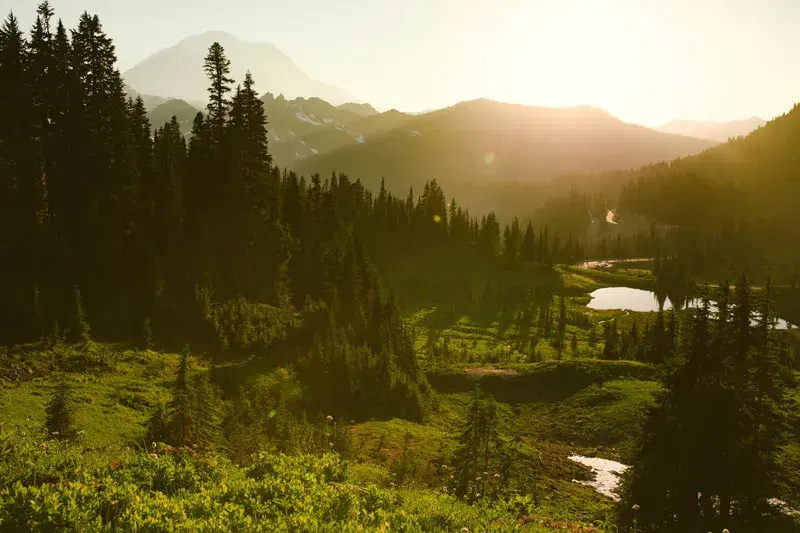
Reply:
x=628 y=299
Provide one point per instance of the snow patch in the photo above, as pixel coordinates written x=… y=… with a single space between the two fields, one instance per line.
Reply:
x=275 y=136
x=298 y=155
x=417 y=133
x=360 y=139
x=605 y=474
x=315 y=150
x=304 y=118
x=303 y=143
x=327 y=120
x=290 y=131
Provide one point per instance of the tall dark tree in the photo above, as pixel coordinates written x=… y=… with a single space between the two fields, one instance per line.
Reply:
x=217 y=67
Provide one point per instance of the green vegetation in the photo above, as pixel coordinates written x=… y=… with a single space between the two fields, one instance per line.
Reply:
x=349 y=360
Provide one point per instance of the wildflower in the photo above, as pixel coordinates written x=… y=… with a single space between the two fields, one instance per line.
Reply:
x=54 y=433
x=635 y=506
x=44 y=445
x=154 y=455
x=725 y=530
x=699 y=495
x=115 y=464
x=464 y=530
x=329 y=418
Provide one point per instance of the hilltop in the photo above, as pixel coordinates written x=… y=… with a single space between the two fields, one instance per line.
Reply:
x=177 y=71
x=715 y=131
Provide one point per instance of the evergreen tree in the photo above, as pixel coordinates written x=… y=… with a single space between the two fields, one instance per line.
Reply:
x=60 y=412
x=480 y=447
x=217 y=67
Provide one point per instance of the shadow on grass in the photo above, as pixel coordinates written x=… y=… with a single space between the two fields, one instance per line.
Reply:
x=547 y=381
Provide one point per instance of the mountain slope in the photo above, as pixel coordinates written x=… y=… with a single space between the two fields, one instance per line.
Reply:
x=177 y=71
x=302 y=128
x=715 y=131
x=184 y=112
x=485 y=141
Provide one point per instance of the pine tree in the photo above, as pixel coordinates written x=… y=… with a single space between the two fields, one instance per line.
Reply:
x=83 y=332
x=21 y=192
x=562 y=323
x=480 y=448
x=217 y=67
x=60 y=412
x=528 y=247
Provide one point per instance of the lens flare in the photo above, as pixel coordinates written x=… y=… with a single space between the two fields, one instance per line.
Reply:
x=437 y=218
x=489 y=157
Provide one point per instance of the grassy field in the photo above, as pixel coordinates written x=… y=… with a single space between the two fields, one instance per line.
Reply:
x=552 y=404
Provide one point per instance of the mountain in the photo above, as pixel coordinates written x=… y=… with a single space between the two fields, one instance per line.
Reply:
x=365 y=110
x=302 y=128
x=177 y=71
x=755 y=177
x=483 y=141
x=164 y=112
x=715 y=131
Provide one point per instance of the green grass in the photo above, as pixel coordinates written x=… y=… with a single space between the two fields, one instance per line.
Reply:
x=113 y=397
x=566 y=403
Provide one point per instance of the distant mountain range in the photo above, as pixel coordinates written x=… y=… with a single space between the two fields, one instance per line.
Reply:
x=177 y=71
x=467 y=147
x=485 y=141
x=715 y=131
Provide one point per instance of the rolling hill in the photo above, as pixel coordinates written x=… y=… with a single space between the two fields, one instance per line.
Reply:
x=164 y=112
x=715 y=131
x=482 y=141
x=177 y=71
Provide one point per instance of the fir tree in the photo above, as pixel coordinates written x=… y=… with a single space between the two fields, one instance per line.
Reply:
x=60 y=412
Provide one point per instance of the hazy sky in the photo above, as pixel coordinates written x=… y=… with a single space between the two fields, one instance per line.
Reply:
x=645 y=61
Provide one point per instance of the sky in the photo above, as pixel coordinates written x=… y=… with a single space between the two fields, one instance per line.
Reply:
x=644 y=61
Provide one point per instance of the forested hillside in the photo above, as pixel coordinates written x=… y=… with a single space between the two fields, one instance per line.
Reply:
x=732 y=206
x=479 y=142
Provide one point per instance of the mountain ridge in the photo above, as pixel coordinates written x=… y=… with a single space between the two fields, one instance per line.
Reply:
x=485 y=141
x=176 y=71
x=713 y=130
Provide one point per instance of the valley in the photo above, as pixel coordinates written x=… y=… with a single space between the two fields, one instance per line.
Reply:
x=233 y=297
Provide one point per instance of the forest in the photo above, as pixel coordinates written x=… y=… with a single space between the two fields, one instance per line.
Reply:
x=194 y=339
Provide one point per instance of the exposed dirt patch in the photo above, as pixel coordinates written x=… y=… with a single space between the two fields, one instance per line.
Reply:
x=490 y=371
